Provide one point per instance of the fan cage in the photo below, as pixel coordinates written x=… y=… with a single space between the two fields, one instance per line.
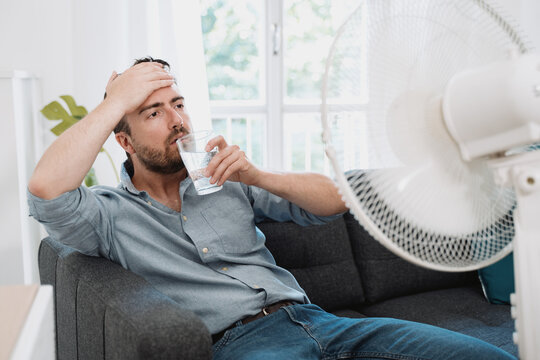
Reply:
x=363 y=185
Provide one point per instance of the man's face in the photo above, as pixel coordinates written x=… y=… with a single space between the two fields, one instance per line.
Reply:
x=155 y=126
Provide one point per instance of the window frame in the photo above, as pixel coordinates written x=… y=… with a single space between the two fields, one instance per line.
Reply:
x=274 y=84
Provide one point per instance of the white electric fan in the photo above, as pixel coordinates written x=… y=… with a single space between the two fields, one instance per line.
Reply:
x=431 y=113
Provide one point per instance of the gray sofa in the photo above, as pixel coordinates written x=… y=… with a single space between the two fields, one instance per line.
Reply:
x=105 y=311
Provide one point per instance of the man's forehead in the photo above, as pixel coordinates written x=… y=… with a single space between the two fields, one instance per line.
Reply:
x=177 y=89
x=164 y=95
x=173 y=89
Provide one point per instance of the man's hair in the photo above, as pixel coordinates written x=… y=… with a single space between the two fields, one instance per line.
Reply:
x=123 y=125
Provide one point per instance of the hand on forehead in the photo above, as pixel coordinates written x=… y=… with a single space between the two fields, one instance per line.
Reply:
x=137 y=83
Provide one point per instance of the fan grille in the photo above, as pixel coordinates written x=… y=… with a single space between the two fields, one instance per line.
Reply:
x=400 y=172
x=432 y=249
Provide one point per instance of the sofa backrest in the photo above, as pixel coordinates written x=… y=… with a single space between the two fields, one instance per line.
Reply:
x=50 y=253
x=385 y=275
x=320 y=257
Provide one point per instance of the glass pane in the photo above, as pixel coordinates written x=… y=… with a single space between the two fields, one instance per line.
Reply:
x=258 y=129
x=219 y=126
x=308 y=30
x=299 y=153
x=232 y=36
x=317 y=153
x=304 y=150
x=246 y=132
x=239 y=133
x=349 y=131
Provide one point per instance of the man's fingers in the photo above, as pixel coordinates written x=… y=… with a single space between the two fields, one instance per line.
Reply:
x=217 y=159
x=230 y=163
x=135 y=84
x=148 y=72
x=160 y=72
x=142 y=76
x=155 y=80
x=218 y=141
x=224 y=166
x=148 y=65
x=156 y=75
x=235 y=167
x=158 y=84
x=113 y=76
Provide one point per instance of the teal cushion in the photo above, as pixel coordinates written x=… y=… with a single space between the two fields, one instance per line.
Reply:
x=498 y=280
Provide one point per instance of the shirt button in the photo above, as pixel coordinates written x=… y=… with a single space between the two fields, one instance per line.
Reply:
x=256 y=286
x=149 y=202
x=224 y=268
x=184 y=217
x=205 y=250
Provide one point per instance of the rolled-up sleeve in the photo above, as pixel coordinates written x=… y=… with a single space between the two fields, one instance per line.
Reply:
x=269 y=206
x=75 y=218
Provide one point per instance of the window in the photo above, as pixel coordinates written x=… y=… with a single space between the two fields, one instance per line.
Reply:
x=265 y=62
x=233 y=34
x=234 y=49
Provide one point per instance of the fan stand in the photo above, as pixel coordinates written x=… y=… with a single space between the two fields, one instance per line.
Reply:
x=522 y=171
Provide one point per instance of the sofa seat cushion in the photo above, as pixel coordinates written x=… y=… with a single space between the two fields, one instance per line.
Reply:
x=320 y=258
x=385 y=275
x=462 y=309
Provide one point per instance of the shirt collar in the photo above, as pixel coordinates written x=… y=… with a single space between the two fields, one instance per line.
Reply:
x=127 y=184
x=125 y=181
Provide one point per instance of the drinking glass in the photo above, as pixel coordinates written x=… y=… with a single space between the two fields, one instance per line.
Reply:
x=192 y=149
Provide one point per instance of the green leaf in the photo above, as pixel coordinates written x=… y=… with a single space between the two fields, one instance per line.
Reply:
x=77 y=111
x=55 y=111
x=90 y=179
x=60 y=128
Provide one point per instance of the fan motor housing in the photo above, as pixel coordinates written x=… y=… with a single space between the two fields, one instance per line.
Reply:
x=491 y=109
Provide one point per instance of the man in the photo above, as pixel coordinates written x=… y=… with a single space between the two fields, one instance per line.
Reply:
x=205 y=252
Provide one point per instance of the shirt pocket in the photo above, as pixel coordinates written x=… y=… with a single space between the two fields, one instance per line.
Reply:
x=235 y=226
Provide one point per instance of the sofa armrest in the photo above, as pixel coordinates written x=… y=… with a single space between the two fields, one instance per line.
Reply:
x=104 y=311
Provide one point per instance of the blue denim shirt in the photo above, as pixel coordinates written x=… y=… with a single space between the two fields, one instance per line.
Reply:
x=210 y=257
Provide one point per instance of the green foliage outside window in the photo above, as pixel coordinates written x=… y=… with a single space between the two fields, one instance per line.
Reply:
x=309 y=30
x=230 y=35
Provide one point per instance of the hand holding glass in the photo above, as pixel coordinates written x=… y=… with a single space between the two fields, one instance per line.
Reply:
x=196 y=159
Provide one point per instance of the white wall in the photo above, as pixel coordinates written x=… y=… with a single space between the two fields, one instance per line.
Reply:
x=36 y=36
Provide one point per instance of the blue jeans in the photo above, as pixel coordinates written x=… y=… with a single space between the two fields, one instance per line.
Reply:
x=301 y=332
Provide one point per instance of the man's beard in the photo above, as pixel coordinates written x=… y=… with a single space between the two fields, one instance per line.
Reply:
x=166 y=161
